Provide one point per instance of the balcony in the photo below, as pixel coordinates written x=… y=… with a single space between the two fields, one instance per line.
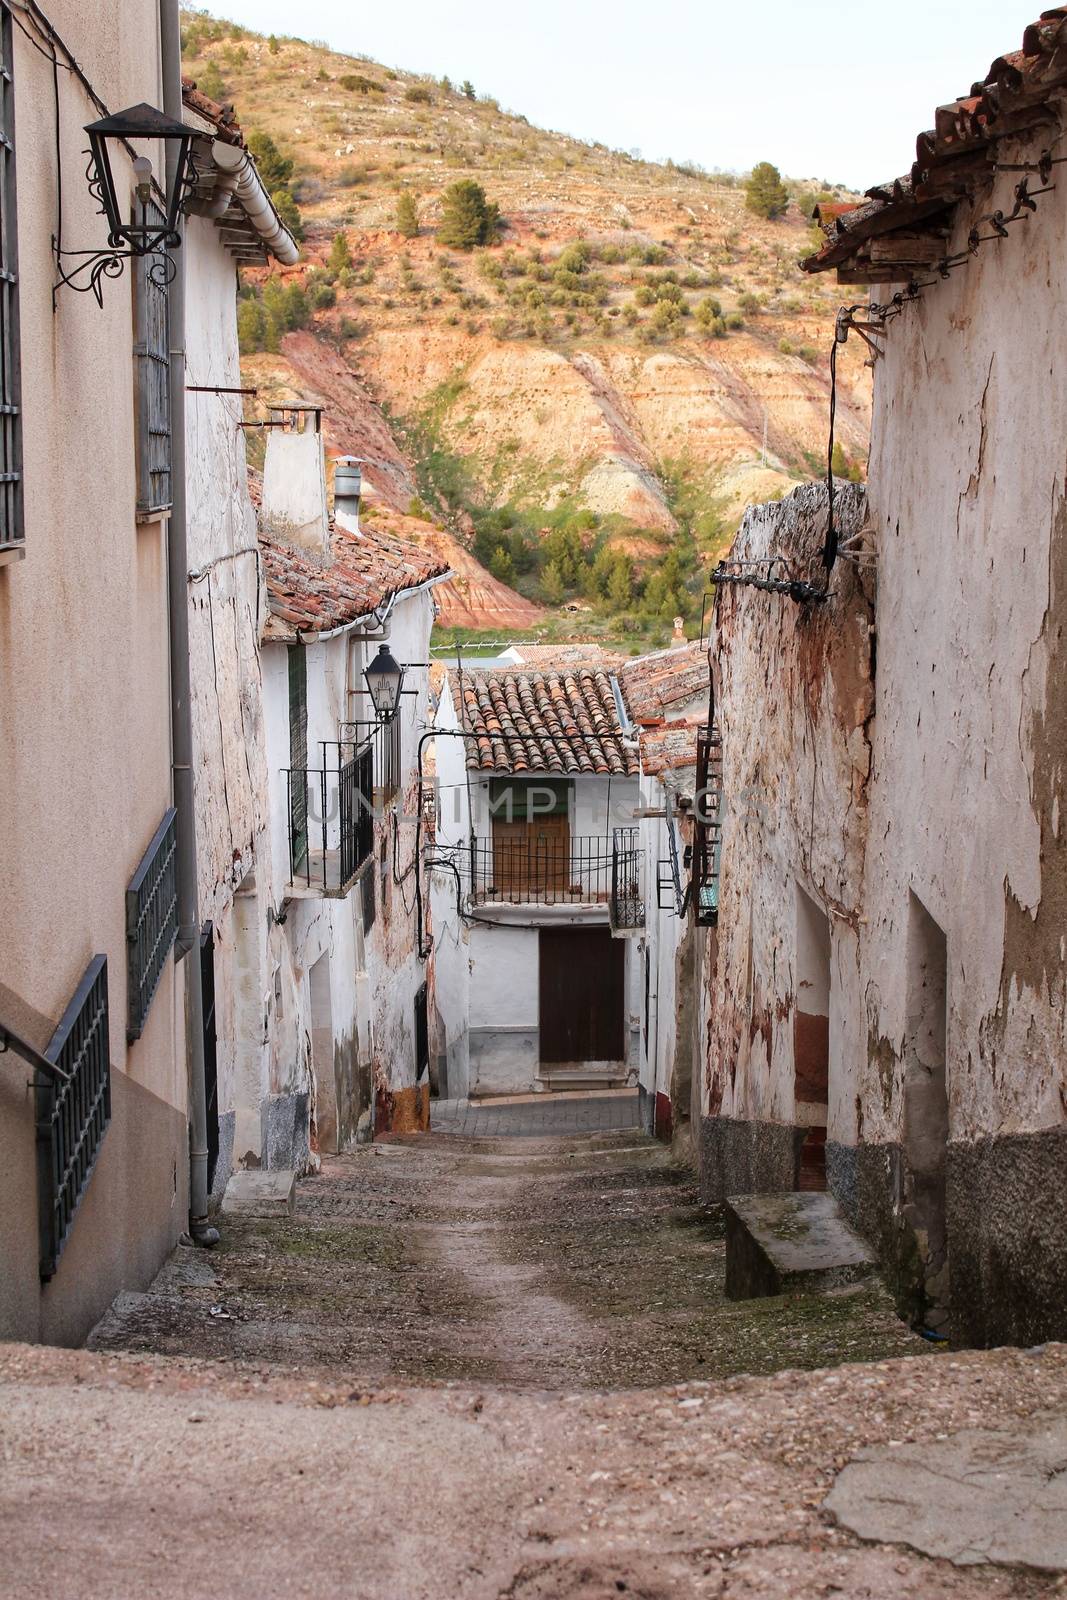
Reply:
x=627 y=906
x=536 y=868
x=707 y=845
x=330 y=810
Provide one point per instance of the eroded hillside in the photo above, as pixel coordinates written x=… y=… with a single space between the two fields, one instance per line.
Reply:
x=587 y=404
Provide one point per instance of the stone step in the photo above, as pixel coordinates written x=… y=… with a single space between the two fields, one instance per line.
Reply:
x=261 y=1193
x=782 y=1243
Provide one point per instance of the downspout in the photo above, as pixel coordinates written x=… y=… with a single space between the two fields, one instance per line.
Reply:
x=180 y=689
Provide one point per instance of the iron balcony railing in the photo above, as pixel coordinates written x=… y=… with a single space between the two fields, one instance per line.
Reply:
x=541 y=870
x=330 y=810
x=386 y=740
x=73 y=1105
x=627 y=904
x=151 y=921
x=707 y=842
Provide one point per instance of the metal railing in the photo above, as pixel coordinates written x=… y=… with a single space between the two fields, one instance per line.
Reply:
x=73 y=1107
x=707 y=843
x=386 y=740
x=151 y=921
x=330 y=811
x=541 y=871
x=627 y=905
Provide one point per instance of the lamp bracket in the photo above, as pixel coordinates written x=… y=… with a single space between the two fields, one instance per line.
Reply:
x=93 y=266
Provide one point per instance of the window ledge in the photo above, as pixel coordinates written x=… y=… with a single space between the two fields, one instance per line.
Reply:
x=12 y=553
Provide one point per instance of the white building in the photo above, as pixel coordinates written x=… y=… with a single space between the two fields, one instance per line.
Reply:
x=536 y=894
x=343 y=979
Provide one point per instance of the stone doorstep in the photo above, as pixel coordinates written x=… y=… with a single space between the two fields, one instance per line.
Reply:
x=260 y=1193
x=777 y=1243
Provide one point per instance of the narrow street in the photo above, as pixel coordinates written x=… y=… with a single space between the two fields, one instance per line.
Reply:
x=494 y=1367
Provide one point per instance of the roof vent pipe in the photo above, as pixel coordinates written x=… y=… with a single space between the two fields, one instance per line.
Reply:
x=348 y=491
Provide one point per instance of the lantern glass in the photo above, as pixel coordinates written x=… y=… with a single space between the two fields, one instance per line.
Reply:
x=126 y=129
x=385 y=681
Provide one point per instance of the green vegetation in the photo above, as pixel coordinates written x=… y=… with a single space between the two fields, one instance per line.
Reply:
x=765 y=193
x=407 y=216
x=467 y=90
x=467 y=217
x=276 y=171
x=340 y=257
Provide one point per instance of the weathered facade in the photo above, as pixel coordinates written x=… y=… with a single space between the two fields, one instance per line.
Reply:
x=342 y=986
x=889 y=962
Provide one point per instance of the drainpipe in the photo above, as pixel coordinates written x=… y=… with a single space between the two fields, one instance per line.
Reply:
x=180 y=693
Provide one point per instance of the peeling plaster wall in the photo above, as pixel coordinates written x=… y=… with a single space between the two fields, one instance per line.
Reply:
x=795 y=698
x=664 y=1000
x=967 y=494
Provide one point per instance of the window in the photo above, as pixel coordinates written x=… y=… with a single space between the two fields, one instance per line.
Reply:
x=298 y=758
x=151 y=309
x=12 y=532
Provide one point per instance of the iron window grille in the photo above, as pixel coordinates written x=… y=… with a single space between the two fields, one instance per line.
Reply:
x=627 y=905
x=331 y=816
x=707 y=815
x=12 y=528
x=73 y=1111
x=541 y=870
x=151 y=921
x=152 y=352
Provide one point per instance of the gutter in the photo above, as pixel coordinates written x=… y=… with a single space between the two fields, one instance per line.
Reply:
x=243 y=183
x=378 y=617
x=180 y=684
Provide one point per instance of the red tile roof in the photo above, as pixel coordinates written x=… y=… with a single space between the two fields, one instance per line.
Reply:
x=366 y=570
x=871 y=243
x=654 y=686
x=671 y=747
x=530 y=721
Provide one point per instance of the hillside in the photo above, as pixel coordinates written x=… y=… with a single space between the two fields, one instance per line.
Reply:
x=587 y=404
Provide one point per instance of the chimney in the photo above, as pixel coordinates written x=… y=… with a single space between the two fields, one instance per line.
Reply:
x=294 y=480
x=348 y=492
x=678 y=636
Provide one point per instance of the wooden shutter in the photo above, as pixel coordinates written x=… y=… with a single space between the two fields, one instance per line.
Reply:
x=152 y=352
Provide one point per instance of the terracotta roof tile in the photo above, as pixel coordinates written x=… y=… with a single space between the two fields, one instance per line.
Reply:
x=655 y=686
x=525 y=720
x=669 y=748
x=366 y=570
x=952 y=159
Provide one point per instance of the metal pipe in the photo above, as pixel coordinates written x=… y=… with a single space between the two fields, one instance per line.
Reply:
x=180 y=686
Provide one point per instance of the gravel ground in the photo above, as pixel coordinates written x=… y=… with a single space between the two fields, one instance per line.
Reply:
x=470 y=1372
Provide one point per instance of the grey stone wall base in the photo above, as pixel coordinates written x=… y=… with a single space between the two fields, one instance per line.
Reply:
x=1007 y=1233
x=867 y=1181
x=224 y=1165
x=646 y=1109
x=287 y=1133
x=739 y=1157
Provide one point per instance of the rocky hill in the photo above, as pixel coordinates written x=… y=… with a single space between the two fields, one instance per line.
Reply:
x=587 y=404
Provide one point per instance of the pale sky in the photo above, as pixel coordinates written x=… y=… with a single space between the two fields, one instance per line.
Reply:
x=824 y=90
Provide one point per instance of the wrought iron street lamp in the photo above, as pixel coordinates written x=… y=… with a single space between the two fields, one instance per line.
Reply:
x=385 y=684
x=153 y=229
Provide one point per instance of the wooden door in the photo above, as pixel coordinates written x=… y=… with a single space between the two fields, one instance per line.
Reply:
x=582 y=995
x=531 y=860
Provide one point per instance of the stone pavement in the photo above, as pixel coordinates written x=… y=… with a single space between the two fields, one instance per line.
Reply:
x=607 y=1111
x=470 y=1368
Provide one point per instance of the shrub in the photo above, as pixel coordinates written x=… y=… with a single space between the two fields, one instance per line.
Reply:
x=501 y=565
x=358 y=82
x=467 y=90
x=288 y=211
x=708 y=311
x=407 y=216
x=735 y=320
x=751 y=303
x=350 y=175
x=807 y=353
x=418 y=94
x=211 y=82
x=322 y=297
x=251 y=326
x=467 y=217
x=272 y=45
x=340 y=257
x=765 y=193
x=785 y=346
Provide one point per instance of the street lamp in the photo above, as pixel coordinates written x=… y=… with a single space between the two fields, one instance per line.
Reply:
x=385 y=683
x=153 y=230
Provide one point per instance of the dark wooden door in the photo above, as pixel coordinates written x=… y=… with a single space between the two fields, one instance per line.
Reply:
x=582 y=995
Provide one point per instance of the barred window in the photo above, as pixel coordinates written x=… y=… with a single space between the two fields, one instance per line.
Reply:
x=12 y=532
x=152 y=352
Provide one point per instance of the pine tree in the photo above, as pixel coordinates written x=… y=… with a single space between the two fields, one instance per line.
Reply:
x=407 y=216
x=467 y=217
x=272 y=45
x=552 y=584
x=765 y=193
x=839 y=461
x=621 y=585
x=501 y=565
x=340 y=255
x=467 y=90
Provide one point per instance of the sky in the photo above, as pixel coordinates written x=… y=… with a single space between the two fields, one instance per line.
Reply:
x=824 y=90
